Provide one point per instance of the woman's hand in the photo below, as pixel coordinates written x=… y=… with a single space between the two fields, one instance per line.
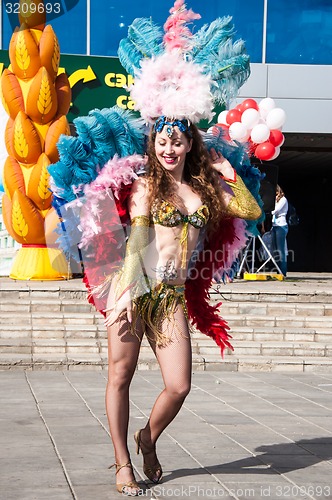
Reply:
x=221 y=165
x=124 y=303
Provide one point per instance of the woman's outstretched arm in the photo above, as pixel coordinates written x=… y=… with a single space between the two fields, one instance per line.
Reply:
x=238 y=199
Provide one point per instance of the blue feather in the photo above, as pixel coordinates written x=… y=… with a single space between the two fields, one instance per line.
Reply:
x=128 y=131
x=129 y=57
x=69 y=231
x=226 y=62
x=209 y=38
x=101 y=135
x=144 y=40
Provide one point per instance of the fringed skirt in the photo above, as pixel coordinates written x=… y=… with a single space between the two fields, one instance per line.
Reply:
x=158 y=304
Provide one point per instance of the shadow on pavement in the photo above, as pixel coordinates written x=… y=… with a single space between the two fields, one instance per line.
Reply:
x=273 y=459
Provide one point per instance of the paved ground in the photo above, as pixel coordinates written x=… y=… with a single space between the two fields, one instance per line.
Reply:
x=239 y=435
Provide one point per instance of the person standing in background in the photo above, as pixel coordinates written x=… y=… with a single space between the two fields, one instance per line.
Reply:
x=280 y=230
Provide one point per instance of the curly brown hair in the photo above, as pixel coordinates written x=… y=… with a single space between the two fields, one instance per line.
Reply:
x=198 y=173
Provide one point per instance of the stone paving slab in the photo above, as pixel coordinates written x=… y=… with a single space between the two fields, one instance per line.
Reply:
x=239 y=436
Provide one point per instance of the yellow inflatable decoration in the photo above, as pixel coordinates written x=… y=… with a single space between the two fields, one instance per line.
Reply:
x=37 y=100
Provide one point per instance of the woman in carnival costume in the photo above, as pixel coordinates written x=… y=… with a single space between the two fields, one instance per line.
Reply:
x=186 y=205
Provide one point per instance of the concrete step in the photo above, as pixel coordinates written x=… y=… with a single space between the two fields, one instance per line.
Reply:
x=75 y=360
x=98 y=361
x=253 y=319
x=52 y=318
x=268 y=363
x=52 y=331
x=283 y=321
x=42 y=346
x=274 y=326
x=272 y=295
x=44 y=304
x=306 y=288
x=271 y=348
x=272 y=308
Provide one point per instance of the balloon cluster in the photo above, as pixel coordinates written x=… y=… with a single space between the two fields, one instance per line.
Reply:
x=259 y=124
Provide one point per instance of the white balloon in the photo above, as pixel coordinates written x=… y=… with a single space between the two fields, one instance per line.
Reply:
x=276 y=118
x=250 y=117
x=238 y=132
x=266 y=104
x=222 y=117
x=260 y=133
x=210 y=130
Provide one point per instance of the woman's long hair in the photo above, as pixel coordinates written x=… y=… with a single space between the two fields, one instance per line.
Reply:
x=198 y=173
x=279 y=192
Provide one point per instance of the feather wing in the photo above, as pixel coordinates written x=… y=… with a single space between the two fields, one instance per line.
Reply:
x=227 y=238
x=100 y=135
x=103 y=135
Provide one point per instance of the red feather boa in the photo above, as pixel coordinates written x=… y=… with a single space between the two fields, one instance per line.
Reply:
x=201 y=313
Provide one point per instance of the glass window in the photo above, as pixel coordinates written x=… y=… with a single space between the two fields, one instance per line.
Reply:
x=299 y=32
x=71 y=27
x=68 y=19
x=110 y=20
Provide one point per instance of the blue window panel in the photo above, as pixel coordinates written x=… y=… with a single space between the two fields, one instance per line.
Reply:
x=67 y=17
x=71 y=27
x=299 y=32
x=7 y=29
x=110 y=20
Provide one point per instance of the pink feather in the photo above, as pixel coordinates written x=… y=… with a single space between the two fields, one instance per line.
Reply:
x=177 y=34
x=168 y=85
x=115 y=174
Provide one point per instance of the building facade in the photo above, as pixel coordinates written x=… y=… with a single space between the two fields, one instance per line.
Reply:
x=290 y=48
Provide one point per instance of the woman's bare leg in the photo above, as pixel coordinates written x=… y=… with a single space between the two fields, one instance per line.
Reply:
x=175 y=360
x=123 y=350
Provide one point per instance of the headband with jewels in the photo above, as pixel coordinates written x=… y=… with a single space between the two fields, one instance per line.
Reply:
x=179 y=73
x=163 y=121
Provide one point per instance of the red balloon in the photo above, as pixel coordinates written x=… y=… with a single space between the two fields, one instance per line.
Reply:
x=265 y=151
x=276 y=137
x=249 y=103
x=240 y=108
x=232 y=116
x=224 y=128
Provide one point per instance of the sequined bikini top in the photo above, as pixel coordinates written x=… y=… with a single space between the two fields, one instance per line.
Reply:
x=166 y=214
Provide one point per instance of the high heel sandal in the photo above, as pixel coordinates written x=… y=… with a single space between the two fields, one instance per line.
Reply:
x=152 y=472
x=123 y=487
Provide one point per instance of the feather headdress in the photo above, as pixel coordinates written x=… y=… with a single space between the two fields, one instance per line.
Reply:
x=183 y=75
